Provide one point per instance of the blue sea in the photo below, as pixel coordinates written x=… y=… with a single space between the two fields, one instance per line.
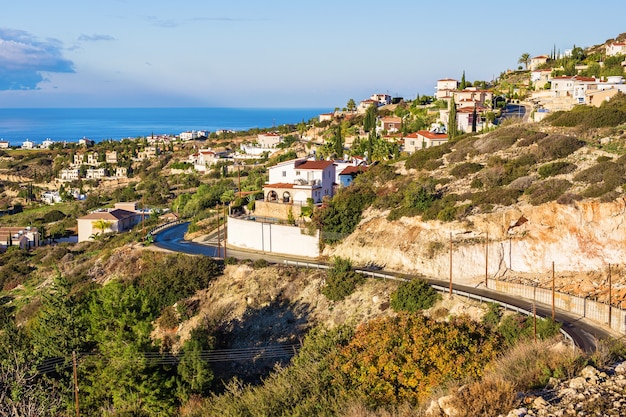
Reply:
x=72 y=124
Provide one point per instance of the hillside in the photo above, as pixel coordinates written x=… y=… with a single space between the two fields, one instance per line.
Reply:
x=543 y=193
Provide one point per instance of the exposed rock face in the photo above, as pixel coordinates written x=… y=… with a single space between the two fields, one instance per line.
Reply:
x=580 y=237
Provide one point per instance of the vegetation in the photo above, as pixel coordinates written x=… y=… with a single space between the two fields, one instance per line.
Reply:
x=414 y=296
x=341 y=280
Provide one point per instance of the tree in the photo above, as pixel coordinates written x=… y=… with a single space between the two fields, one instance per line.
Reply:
x=463 y=82
x=524 y=59
x=101 y=225
x=338 y=142
x=351 y=106
x=452 y=123
x=369 y=122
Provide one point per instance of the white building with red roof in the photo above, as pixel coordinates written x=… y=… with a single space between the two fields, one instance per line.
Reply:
x=423 y=139
x=297 y=180
x=446 y=88
x=123 y=217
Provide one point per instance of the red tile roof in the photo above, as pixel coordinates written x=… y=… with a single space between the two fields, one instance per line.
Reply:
x=431 y=135
x=116 y=214
x=316 y=165
x=353 y=170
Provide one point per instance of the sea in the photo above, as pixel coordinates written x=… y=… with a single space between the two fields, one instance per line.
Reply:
x=97 y=124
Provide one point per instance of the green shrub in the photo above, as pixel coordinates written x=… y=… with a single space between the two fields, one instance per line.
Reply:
x=465 y=169
x=53 y=216
x=260 y=264
x=413 y=296
x=558 y=146
x=555 y=168
x=546 y=191
x=427 y=158
x=341 y=280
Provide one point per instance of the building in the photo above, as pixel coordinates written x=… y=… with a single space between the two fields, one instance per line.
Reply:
x=616 y=48
x=46 y=144
x=390 y=124
x=446 y=88
x=4 y=144
x=348 y=174
x=269 y=140
x=85 y=142
x=51 y=197
x=121 y=172
x=326 y=117
x=28 y=144
x=537 y=61
x=121 y=218
x=297 y=180
x=70 y=174
x=366 y=104
x=423 y=139
x=23 y=237
x=381 y=99
x=110 y=157
x=92 y=158
x=203 y=159
x=96 y=173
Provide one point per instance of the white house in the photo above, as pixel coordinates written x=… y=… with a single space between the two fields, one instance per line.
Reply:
x=46 y=144
x=297 y=180
x=616 y=48
x=269 y=140
x=69 y=174
x=96 y=173
x=4 y=144
x=381 y=99
x=28 y=144
x=390 y=124
x=366 y=104
x=24 y=237
x=203 y=159
x=446 y=88
x=51 y=197
x=537 y=61
x=423 y=139
x=110 y=157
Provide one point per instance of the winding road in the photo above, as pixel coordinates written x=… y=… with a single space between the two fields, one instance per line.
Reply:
x=584 y=333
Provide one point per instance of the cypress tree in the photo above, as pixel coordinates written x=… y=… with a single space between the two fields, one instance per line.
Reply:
x=452 y=126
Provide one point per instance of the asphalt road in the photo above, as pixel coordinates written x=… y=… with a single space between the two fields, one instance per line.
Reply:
x=584 y=333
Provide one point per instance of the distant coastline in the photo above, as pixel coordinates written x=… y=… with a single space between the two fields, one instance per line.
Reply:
x=97 y=124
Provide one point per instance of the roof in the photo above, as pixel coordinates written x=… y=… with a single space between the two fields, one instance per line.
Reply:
x=279 y=185
x=315 y=165
x=448 y=79
x=391 y=119
x=114 y=215
x=431 y=135
x=353 y=170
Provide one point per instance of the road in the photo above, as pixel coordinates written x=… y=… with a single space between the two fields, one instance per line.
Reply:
x=584 y=333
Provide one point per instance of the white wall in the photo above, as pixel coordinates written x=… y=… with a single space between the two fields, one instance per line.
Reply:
x=272 y=238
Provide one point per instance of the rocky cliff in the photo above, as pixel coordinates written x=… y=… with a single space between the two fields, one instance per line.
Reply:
x=581 y=238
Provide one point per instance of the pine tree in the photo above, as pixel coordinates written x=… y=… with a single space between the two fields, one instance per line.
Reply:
x=463 y=82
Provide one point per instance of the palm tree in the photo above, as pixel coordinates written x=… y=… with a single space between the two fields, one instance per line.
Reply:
x=524 y=59
x=101 y=225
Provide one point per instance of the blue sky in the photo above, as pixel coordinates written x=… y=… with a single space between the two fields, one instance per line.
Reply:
x=273 y=53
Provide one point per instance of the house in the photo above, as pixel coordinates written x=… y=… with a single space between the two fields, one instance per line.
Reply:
x=616 y=48
x=390 y=124
x=540 y=78
x=92 y=158
x=123 y=217
x=28 y=144
x=4 y=144
x=326 y=117
x=79 y=159
x=473 y=96
x=572 y=87
x=110 y=157
x=446 y=88
x=347 y=175
x=69 y=174
x=121 y=172
x=23 y=237
x=148 y=153
x=366 y=104
x=269 y=140
x=537 y=61
x=189 y=135
x=96 y=173
x=51 y=197
x=46 y=144
x=381 y=99
x=203 y=159
x=85 y=142
x=423 y=139
x=297 y=180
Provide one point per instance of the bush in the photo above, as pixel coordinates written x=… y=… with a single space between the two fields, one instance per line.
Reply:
x=558 y=146
x=463 y=170
x=555 y=168
x=341 y=280
x=260 y=264
x=53 y=216
x=546 y=191
x=413 y=296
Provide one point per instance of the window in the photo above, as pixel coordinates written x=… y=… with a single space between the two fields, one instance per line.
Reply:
x=297 y=173
x=284 y=173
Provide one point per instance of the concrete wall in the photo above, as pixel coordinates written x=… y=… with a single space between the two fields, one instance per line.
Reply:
x=276 y=210
x=272 y=238
x=613 y=317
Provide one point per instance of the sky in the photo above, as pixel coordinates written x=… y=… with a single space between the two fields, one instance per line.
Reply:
x=274 y=53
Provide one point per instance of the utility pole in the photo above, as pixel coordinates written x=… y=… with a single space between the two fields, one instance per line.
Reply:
x=218 y=230
x=450 y=264
x=610 y=290
x=487 y=260
x=553 y=290
x=225 y=223
x=75 y=383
